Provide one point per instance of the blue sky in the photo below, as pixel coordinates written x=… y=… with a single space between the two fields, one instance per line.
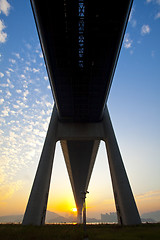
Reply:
x=26 y=104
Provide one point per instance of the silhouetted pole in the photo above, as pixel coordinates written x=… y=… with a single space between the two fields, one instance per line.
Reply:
x=84 y=210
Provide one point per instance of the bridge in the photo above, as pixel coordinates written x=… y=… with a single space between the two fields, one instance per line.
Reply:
x=81 y=42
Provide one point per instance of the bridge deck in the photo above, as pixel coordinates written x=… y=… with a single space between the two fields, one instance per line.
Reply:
x=81 y=40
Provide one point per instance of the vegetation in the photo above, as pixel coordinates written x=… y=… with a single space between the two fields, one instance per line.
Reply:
x=75 y=232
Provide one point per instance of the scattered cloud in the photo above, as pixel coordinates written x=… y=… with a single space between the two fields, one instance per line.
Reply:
x=1 y=74
x=22 y=104
x=12 y=60
x=153 y=1
x=36 y=70
x=18 y=91
x=8 y=94
x=10 y=69
x=3 y=35
x=17 y=55
x=157 y=15
x=22 y=76
x=9 y=83
x=22 y=126
x=5 y=111
x=28 y=46
x=41 y=55
x=1 y=100
x=26 y=92
x=8 y=73
x=145 y=30
x=149 y=195
x=8 y=189
x=15 y=106
x=5 y=7
x=127 y=41
x=132 y=21
x=37 y=90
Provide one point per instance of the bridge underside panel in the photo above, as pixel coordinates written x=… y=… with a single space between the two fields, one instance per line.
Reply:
x=81 y=40
x=80 y=157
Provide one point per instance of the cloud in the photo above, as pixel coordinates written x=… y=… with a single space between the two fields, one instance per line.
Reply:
x=8 y=72
x=8 y=189
x=8 y=94
x=145 y=30
x=9 y=83
x=1 y=74
x=1 y=100
x=127 y=41
x=17 y=55
x=41 y=55
x=4 y=85
x=36 y=70
x=157 y=15
x=12 y=60
x=154 y=1
x=3 y=35
x=132 y=21
x=149 y=195
x=26 y=92
x=21 y=104
x=22 y=76
x=5 y=112
x=16 y=106
x=4 y=7
x=18 y=91
x=28 y=46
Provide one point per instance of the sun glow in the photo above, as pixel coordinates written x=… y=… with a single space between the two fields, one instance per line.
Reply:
x=74 y=210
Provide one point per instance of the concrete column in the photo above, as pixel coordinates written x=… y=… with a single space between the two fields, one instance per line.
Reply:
x=125 y=204
x=79 y=215
x=37 y=204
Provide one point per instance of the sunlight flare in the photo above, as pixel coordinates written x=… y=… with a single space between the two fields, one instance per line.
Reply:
x=74 y=210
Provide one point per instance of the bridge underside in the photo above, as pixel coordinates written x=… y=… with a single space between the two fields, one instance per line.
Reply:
x=81 y=42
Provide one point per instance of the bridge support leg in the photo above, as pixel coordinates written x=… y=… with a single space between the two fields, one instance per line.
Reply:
x=125 y=204
x=79 y=215
x=37 y=204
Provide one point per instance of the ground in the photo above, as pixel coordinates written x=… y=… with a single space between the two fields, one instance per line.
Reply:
x=76 y=232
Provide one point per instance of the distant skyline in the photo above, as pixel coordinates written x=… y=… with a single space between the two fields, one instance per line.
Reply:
x=26 y=103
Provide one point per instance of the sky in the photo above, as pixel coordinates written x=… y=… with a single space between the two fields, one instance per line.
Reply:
x=26 y=103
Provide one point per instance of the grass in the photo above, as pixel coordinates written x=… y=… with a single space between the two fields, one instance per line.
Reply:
x=75 y=232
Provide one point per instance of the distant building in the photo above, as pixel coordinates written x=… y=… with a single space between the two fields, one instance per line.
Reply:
x=111 y=217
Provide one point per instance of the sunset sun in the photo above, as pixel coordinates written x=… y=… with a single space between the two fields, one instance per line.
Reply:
x=74 y=210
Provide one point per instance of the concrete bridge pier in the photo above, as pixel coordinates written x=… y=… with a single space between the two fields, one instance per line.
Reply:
x=80 y=143
x=125 y=204
x=79 y=215
x=36 y=208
